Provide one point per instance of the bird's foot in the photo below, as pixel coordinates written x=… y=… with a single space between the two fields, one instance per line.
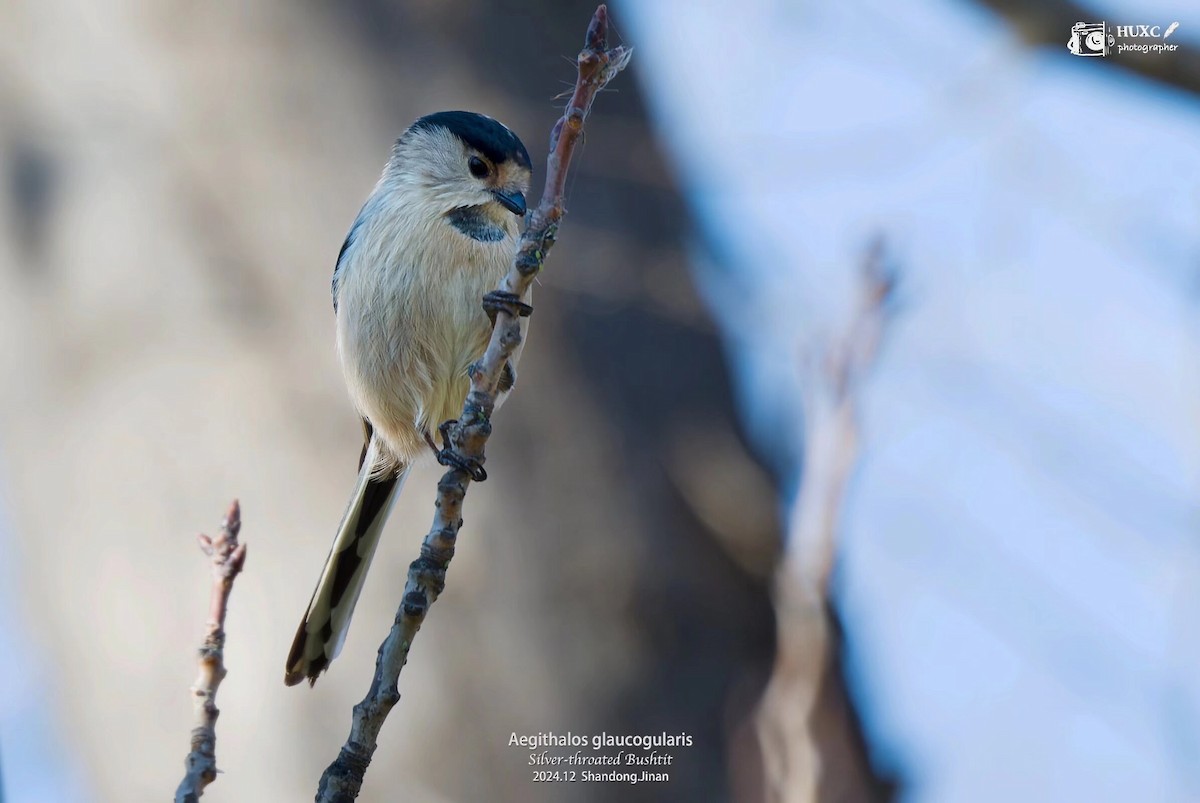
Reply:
x=511 y=303
x=447 y=456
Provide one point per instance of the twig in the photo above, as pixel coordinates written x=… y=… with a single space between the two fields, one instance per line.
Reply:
x=597 y=65
x=228 y=557
x=807 y=728
x=831 y=438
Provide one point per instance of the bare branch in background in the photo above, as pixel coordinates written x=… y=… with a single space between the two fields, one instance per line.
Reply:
x=597 y=64
x=807 y=729
x=228 y=557
x=1048 y=22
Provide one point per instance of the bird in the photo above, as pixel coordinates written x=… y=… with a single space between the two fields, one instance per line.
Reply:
x=436 y=234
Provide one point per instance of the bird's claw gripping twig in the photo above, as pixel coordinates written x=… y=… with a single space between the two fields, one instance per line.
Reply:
x=511 y=303
x=448 y=456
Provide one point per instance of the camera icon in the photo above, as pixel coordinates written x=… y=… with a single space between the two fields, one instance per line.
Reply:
x=1090 y=39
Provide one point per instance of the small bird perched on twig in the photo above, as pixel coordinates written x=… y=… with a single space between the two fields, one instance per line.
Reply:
x=437 y=233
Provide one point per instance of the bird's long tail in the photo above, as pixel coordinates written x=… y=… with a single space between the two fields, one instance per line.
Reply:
x=323 y=629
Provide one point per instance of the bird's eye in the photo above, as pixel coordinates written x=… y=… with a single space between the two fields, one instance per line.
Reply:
x=478 y=167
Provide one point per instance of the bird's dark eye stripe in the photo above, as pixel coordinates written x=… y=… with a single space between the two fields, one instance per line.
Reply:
x=477 y=166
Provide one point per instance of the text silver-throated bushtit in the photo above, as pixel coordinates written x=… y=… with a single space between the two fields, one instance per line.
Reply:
x=437 y=234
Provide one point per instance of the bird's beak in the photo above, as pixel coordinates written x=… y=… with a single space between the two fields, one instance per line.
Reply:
x=512 y=201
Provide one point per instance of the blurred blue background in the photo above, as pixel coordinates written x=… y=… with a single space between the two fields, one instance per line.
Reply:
x=1018 y=574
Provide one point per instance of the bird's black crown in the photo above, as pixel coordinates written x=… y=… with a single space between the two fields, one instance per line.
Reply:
x=489 y=137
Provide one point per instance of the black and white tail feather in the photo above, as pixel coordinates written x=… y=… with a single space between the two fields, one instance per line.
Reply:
x=323 y=630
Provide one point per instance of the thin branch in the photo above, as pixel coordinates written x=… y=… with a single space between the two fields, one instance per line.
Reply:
x=597 y=65
x=807 y=727
x=832 y=387
x=228 y=557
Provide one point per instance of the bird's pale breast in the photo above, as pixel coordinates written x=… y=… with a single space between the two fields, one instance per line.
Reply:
x=410 y=322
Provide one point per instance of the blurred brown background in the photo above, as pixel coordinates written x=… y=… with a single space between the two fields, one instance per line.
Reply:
x=176 y=181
